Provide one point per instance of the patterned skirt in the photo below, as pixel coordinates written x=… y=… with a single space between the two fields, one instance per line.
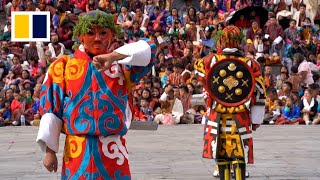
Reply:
x=229 y=140
x=95 y=157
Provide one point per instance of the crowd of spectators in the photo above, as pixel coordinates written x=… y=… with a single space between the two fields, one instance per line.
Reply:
x=287 y=47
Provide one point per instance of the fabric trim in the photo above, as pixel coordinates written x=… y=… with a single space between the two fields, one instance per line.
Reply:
x=139 y=53
x=49 y=132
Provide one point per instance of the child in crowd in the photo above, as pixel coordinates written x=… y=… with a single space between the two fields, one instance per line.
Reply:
x=164 y=78
x=5 y=113
x=295 y=80
x=283 y=78
x=17 y=107
x=272 y=106
x=146 y=113
x=290 y=113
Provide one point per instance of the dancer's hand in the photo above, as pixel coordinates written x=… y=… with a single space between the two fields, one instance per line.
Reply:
x=255 y=127
x=50 y=161
x=104 y=62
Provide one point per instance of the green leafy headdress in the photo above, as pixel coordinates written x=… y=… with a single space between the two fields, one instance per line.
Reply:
x=96 y=17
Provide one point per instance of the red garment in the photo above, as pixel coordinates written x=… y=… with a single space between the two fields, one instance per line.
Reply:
x=16 y=105
x=243 y=24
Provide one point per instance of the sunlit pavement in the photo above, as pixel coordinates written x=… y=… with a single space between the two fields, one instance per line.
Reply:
x=174 y=152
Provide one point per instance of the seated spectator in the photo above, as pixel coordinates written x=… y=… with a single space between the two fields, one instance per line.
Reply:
x=192 y=32
x=135 y=30
x=316 y=120
x=242 y=22
x=6 y=36
x=295 y=48
x=142 y=19
x=176 y=47
x=175 y=78
x=273 y=107
x=124 y=18
x=283 y=78
x=145 y=113
x=34 y=67
x=155 y=103
x=177 y=30
x=188 y=112
x=32 y=52
x=17 y=107
x=157 y=20
x=286 y=91
x=65 y=33
x=254 y=29
x=171 y=109
x=149 y=7
x=91 y=5
x=17 y=68
x=10 y=79
x=270 y=79
x=290 y=113
x=308 y=107
x=165 y=77
x=5 y=113
x=171 y=19
x=56 y=48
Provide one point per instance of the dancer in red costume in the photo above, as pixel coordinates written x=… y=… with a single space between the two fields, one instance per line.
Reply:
x=87 y=96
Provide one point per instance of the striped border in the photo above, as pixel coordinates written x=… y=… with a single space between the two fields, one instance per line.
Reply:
x=30 y=13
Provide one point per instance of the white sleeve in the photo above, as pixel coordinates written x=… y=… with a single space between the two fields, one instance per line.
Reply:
x=288 y=2
x=257 y=114
x=276 y=1
x=49 y=132
x=139 y=53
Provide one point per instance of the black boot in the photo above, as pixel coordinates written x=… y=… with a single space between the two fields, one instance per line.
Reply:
x=239 y=167
x=224 y=170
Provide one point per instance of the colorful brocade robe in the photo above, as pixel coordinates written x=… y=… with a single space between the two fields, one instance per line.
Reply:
x=93 y=110
x=227 y=131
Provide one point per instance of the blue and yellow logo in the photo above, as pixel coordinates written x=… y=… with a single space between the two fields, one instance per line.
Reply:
x=30 y=26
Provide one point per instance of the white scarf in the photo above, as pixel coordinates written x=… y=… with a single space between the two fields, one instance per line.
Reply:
x=306 y=105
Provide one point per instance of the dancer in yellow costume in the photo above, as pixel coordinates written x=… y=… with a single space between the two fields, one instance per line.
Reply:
x=235 y=96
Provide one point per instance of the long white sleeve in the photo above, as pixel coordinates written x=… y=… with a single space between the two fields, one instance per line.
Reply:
x=49 y=132
x=257 y=114
x=139 y=53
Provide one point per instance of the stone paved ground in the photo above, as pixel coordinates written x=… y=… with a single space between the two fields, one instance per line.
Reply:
x=281 y=152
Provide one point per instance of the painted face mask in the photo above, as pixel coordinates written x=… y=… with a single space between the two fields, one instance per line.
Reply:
x=96 y=31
